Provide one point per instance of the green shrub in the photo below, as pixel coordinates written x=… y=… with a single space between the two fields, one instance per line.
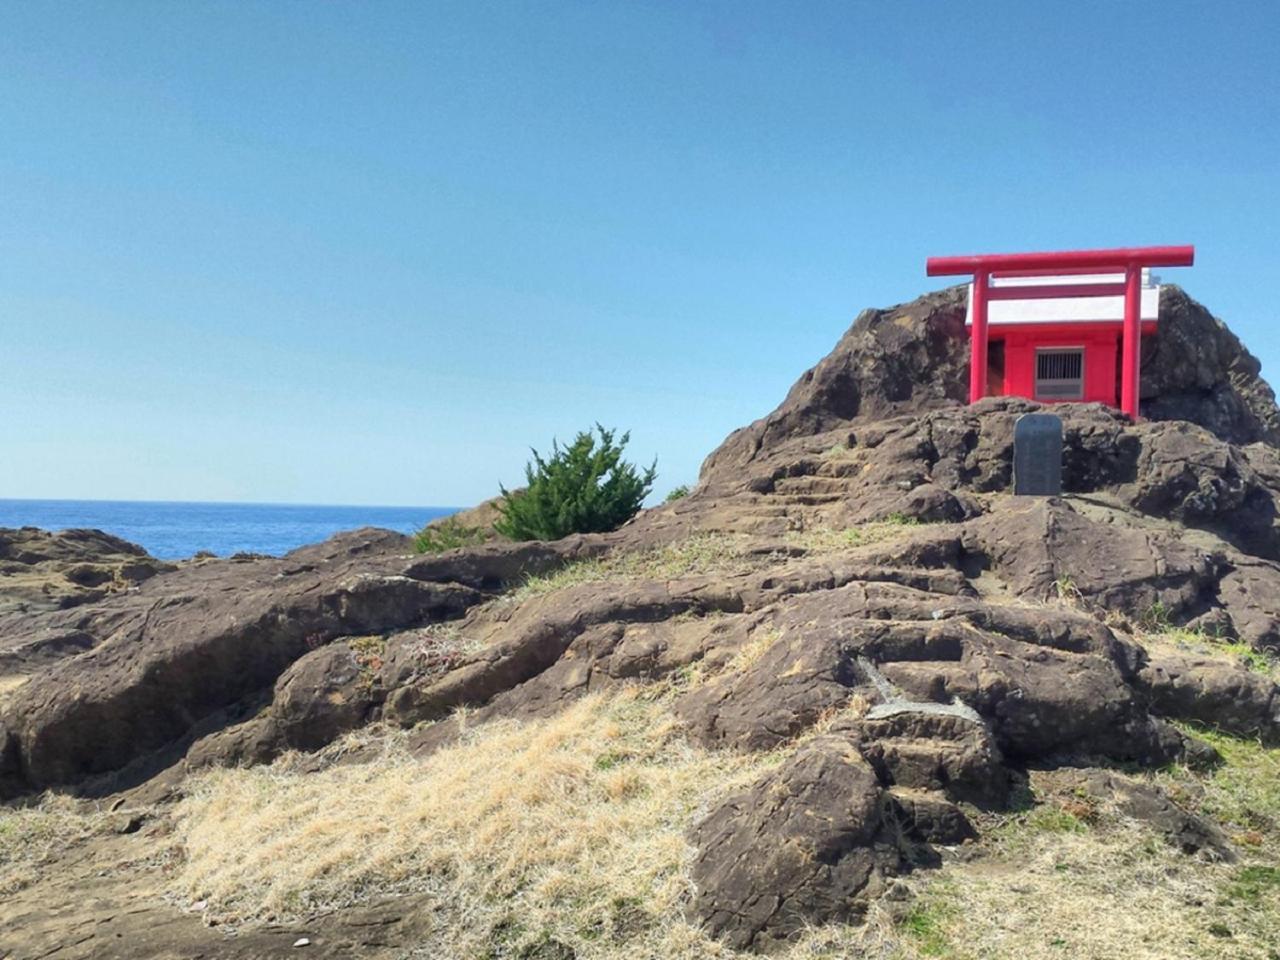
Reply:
x=447 y=534
x=678 y=493
x=585 y=487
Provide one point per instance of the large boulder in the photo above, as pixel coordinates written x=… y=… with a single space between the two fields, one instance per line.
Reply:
x=1212 y=691
x=324 y=694
x=806 y=844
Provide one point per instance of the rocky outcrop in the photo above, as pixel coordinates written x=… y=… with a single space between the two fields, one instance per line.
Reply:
x=235 y=656
x=914 y=358
x=1005 y=663
x=1212 y=691
x=40 y=570
x=183 y=648
x=1197 y=370
x=852 y=587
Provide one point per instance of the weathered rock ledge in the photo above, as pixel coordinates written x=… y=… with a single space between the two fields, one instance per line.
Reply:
x=40 y=570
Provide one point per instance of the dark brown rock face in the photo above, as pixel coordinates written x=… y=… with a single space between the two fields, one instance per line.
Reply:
x=905 y=646
x=1212 y=692
x=323 y=695
x=926 y=750
x=1196 y=369
x=186 y=646
x=806 y=844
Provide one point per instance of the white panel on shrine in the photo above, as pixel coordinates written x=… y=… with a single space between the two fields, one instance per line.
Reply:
x=1066 y=309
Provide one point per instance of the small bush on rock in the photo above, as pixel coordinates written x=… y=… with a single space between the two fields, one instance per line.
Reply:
x=447 y=534
x=585 y=487
x=679 y=493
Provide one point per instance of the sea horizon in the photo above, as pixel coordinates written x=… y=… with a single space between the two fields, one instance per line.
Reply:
x=177 y=529
x=247 y=503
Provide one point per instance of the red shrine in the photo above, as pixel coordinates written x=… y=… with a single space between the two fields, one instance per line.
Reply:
x=1061 y=326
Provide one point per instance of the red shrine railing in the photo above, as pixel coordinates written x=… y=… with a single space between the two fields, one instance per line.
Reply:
x=1127 y=260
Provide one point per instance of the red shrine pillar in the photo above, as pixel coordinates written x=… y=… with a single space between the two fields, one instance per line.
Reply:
x=978 y=339
x=1131 y=354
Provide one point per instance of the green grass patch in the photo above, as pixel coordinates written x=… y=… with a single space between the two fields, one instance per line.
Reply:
x=1051 y=818
x=899 y=519
x=1252 y=884
x=448 y=534
x=927 y=925
x=1255 y=660
x=1067 y=590
x=1242 y=793
x=1154 y=628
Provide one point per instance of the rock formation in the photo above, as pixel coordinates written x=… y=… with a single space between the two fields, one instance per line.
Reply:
x=908 y=675
x=51 y=571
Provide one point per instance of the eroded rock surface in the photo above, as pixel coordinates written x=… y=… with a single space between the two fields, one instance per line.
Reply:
x=851 y=586
x=808 y=843
x=41 y=571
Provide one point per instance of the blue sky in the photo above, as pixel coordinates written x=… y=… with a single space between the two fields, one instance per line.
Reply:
x=371 y=252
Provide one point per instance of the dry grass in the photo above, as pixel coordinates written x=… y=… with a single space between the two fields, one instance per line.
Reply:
x=832 y=540
x=571 y=828
x=31 y=837
x=724 y=554
x=720 y=553
x=9 y=685
x=755 y=648
x=1102 y=894
x=1067 y=880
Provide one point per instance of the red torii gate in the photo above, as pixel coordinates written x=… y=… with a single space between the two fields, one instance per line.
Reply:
x=1127 y=260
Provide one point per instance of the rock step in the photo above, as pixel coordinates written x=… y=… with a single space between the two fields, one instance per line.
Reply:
x=833 y=486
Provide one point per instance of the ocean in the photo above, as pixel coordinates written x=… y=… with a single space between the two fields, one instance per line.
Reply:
x=173 y=530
